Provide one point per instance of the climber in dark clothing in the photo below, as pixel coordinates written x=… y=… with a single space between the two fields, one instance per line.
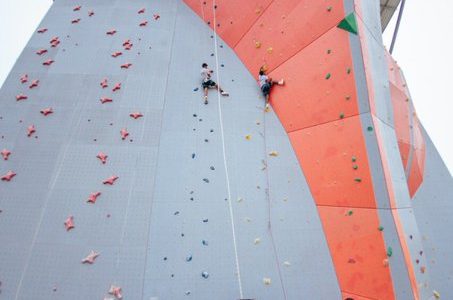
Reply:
x=266 y=84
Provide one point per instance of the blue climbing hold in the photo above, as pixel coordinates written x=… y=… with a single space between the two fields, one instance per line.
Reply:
x=189 y=258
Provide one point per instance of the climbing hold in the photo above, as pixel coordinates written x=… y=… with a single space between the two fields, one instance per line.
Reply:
x=24 y=78
x=69 y=223
x=111 y=32
x=355 y=167
x=329 y=51
x=75 y=21
x=105 y=100
x=286 y=263
x=90 y=13
x=76 y=8
x=116 y=87
x=342 y=116
x=104 y=83
x=389 y=251
x=93 y=197
x=370 y=128
x=358 y=179
x=46 y=111
x=41 y=51
x=205 y=274
x=187 y=293
x=257 y=241
x=436 y=294
x=102 y=157
x=206 y=180
x=124 y=133
x=5 y=153
x=266 y=281
x=328 y=76
x=143 y=23
x=141 y=11
x=30 y=130
x=351 y=260
x=205 y=220
x=34 y=84
x=42 y=30
x=126 y=66
x=195 y=89
x=350 y=213
x=117 y=53
x=353 y=159
x=156 y=17
x=273 y=153
x=90 y=258
x=189 y=258
x=8 y=176
x=257 y=44
x=116 y=292
x=212 y=168
x=176 y=213
x=204 y=243
x=348 y=70
x=248 y=137
x=385 y=262
x=349 y=23
x=239 y=200
x=248 y=220
x=193 y=155
x=136 y=115
x=48 y=62
x=380 y=228
x=111 y=180
x=21 y=97
x=269 y=50
x=329 y=8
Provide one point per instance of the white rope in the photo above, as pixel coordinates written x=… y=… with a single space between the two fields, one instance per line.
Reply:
x=224 y=153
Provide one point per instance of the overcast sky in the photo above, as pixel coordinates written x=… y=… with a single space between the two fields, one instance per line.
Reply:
x=424 y=51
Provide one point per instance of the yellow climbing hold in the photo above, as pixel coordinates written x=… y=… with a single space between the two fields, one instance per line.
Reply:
x=248 y=137
x=264 y=68
x=266 y=281
x=273 y=153
x=258 y=11
x=269 y=50
x=257 y=44
x=436 y=294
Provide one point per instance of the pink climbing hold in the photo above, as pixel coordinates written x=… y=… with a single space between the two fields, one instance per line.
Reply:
x=31 y=129
x=124 y=133
x=104 y=83
x=111 y=32
x=93 y=197
x=116 y=292
x=144 y=23
x=105 y=100
x=136 y=115
x=126 y=42
x=102 y=156
x=128 y=46
x=69 y=223
x=116 y=54
x=5 y=153
x=21 y=97
x=141 y=11
x=90 y=13
x=8 y=176
x=34 y=84
x=111 y=180
x=77 y=8
x=116 y=87
x=47 y=111
x=42 y=30
x=126 y=66
x=75 y=21
x=48 y=62
x=54 y=39
x=41 y=51
x=90 y=257
x=156 y=17
x=24 y=78
x=55 y=44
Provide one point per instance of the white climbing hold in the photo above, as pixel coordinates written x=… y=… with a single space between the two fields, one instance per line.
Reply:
x=436 y=294
x=248 y=220
x=286 y=263
x=257 y=241
x=240 y=199
x=266 y=281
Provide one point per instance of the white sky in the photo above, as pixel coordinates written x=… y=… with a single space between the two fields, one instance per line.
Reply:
x=424 y=51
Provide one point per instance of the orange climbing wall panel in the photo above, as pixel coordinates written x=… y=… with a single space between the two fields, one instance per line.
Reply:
x=358 y=251
x=401 y=111
x=235 y=17
x=285 y=28
x=308 y=98
x=325 y=153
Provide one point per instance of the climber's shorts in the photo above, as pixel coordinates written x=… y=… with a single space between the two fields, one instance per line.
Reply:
x=266 y=89
x=208 y=84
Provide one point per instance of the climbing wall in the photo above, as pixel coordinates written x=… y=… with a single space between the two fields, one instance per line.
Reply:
x=118 y=182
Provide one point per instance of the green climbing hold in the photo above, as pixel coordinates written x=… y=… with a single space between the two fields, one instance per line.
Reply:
x=380 y=228
x=355 y=167
x=350 y=213
x=389 y=251
x=341 y=115
x=348 y=70
x=328 y=76
x=370 y=128
x=349 y=23
x=354 y=159
x=358 y=179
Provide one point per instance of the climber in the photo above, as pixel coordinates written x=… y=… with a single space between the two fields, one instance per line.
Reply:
x=266 y=84
x=207 y=83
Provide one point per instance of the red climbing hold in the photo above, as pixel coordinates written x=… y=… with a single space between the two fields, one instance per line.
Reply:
x=111 y=32
x=102 y=156
x=8 y=176
x=5 y=153
x=104 y=83
x=76 y=8
x=124 y=133
x=31 y=129
x=126 y=66
x=69 y=223
x=42 y=30
x=126 y=42
x=41 y=51
x=34 y=84
x=116 y=54
x=136 y=115
x=105 y=100
x=156 y=17
x=47 y=111
x=55 y=44
x=75 y=21
x=54 y=39
x=90 y=13
x=111 y=180
x=141 y=11
x=117 y=87
x=128 y=46
x=93 y=197
x=90 y=258
x=24 y=78
x=48 y=62
x=144 y=23
x=116 y=292
x=21 y=97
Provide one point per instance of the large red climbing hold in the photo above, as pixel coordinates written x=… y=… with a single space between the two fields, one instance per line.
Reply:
x=41 y=51
x=141 y=11
x=69 y=223
x=24 y=78
x=90 y=257
x=104 y=83
x=116 y=292
x=5 y=153
x=77 y=8
x=75 y=21
x=111 y=180
x=136 y=115
x=34 y=83
x=21 y=97
x=93 y=197
x=102 y=156
x=126 y=66
x=47 y=111
x=116 y=54
x=48 y=62
x=42 y=30
x=54 y=39
x=124 y=133
x=143 y=23
x=105 y=100
x=30 y=130
x=117 y=87
x=111 y=32
x=8 y=176
x=55 y=44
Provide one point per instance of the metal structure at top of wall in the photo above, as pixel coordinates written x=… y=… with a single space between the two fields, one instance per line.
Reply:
x=388 y=8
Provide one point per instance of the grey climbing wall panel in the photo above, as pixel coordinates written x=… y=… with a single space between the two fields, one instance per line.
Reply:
x=166 y=219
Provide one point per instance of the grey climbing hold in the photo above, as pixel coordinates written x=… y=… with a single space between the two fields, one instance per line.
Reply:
x=187 y=293
x=204 y=243
x=205 y=274
x=212 y=168
x=176 y=213
x=205 y=220
x=189 y=258
x=206 y=180
x=193 y=155
x=206 y=140
x=195 y=89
